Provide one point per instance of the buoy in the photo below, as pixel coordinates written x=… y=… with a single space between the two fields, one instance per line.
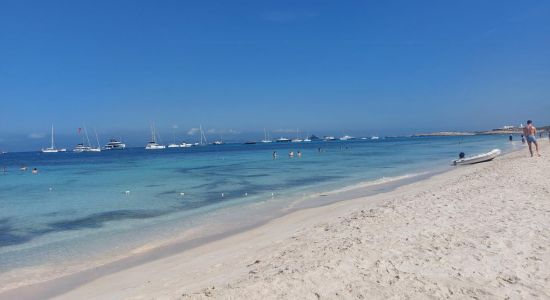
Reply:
x=182 y=194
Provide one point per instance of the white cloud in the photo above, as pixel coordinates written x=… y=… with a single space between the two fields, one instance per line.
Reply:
x=36 y=135
x=193 y=131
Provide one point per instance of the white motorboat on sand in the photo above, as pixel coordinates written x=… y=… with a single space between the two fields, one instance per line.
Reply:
x=477 y=158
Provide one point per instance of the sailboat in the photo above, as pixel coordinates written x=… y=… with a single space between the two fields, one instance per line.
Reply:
x=307 y=139
x=98 y=148
x=297 y=139
x=266 y=137
x=174 y=145
x=219 y=142
x=52 y=148
x=81 y=147
x=203 y=141
x=152 y=145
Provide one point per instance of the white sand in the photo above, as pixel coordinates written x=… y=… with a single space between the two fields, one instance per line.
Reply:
x=480 y=231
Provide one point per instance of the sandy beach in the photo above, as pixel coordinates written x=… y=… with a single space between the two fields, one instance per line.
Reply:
x=479 y=231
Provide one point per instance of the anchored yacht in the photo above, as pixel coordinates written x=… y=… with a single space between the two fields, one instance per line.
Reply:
x=114 y=144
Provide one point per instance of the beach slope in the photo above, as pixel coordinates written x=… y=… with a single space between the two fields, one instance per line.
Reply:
x=479 y=231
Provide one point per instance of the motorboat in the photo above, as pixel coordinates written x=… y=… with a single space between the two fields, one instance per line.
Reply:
x=347 y=138
x=114 y=144
x=483 y=157
x=283 y=140
x=81 y=148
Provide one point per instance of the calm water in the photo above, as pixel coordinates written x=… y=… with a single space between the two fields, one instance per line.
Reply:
x=77 y=207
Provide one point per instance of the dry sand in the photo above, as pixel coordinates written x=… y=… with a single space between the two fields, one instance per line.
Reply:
x=480 y=231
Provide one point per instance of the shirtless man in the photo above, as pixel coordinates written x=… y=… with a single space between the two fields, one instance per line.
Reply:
x=530 y=133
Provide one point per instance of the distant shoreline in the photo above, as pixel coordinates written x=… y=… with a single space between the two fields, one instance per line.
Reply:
x=488 y=132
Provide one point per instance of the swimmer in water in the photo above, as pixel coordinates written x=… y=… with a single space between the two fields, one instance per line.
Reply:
x=291 y=154
x=299 y=154
x=35 y=171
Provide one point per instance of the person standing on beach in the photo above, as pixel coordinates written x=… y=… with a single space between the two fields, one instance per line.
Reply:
x=531 y=132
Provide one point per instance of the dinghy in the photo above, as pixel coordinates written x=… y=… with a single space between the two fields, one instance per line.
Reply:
x=478 y=158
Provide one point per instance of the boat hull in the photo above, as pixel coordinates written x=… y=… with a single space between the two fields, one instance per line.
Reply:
x=478 y=158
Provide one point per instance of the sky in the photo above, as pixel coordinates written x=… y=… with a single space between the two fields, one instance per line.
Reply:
x=236 y=67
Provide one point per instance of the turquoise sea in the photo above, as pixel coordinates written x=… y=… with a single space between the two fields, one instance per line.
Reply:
x=83 y=208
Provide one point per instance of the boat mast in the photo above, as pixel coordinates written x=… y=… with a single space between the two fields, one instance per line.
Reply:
x=87 y=137
x=153 y=134
x=203 y=136
x=173 y=135
x=53 y=144
x=97 y=139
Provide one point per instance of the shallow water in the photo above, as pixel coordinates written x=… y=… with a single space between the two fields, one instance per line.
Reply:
x=77 y=209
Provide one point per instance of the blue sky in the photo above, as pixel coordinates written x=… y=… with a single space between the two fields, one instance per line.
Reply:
x=363 y=67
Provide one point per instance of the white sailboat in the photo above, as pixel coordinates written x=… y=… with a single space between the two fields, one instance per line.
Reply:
x=152 y=145
x=82 y=147
x=98 y=148
x=307 y=139
x=52 y=148
x=203 y=137
x=266 y=137
x=297 y=139
x=219 y=142
x=173 y=144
